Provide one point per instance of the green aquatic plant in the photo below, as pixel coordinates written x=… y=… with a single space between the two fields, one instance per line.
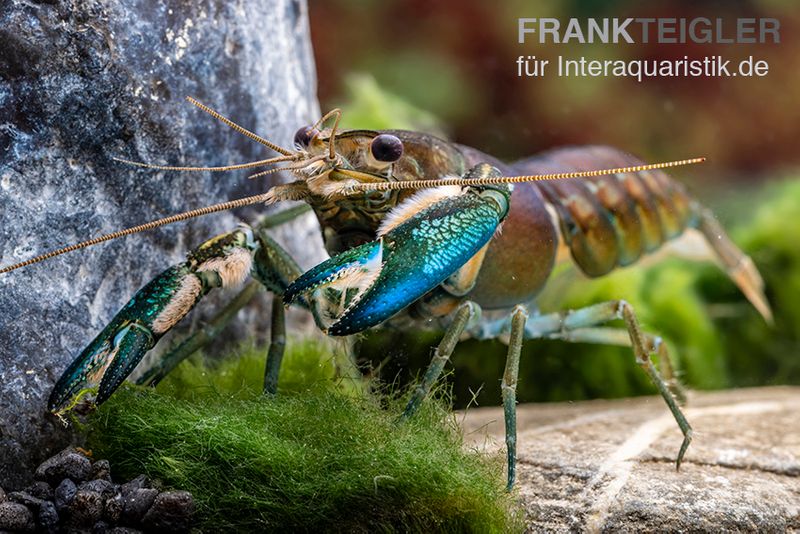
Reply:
x=317 y=456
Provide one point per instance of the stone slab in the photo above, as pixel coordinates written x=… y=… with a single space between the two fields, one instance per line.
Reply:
x=609 y=466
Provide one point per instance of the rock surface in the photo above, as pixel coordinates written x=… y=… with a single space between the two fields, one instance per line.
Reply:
x=609 y=466
x=82 y=82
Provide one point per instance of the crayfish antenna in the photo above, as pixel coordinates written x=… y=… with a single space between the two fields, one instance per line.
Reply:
x=495 y=180
x=286 y=155
x=214 y=208
x=247 y=133
x=292 y=167
x=234 y=167
x=332 y=113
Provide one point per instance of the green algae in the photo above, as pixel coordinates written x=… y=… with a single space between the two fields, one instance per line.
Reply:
x=318 y=456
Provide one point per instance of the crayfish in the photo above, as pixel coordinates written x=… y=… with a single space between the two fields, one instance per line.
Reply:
x=421 y=231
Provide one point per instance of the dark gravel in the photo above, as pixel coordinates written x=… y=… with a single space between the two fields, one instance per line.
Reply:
x=97 y=505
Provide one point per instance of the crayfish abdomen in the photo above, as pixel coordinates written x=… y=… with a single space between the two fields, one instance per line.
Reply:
x=600 y=222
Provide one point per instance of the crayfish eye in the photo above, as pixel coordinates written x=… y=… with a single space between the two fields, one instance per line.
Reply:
x=386 y=148
x=303 y=136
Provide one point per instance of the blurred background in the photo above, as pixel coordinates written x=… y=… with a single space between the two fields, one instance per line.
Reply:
x=449 y=67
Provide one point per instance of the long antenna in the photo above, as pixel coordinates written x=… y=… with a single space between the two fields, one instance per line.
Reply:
x=243 y=131
x=420 y=184
x=287 y=155
x=250 y=165
x=143 y=227
x=291 y=167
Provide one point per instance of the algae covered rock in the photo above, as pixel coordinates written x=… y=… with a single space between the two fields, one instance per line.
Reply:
x=81 y=83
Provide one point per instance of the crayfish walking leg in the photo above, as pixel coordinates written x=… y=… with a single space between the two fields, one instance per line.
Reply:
x=574 y=325
x=619 y=336
x=465 y=312
x=275 y=266
x=277 y=345
x=509 y=389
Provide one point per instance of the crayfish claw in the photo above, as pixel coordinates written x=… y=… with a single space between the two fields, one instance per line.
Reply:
x=427 y=241
x=109 y=359
x=131 y=345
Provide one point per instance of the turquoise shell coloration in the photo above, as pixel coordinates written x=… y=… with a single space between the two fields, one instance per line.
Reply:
x=330 y=269
x=420 y=254
x=127 y=336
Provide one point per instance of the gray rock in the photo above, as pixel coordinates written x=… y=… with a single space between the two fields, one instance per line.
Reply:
x=124 y=530
x=81 y=82
x=112 y=510
x=137 y=503
x=3 y=497
x=40 y=490
x=66 y=464
x=16 y=517
x=103 y=487
x=25 y=498
x=132 y=485
x=64 y=494
x=172 y=511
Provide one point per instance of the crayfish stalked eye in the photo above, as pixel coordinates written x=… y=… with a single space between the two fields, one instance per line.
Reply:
x=303 y=136
x=386 y=148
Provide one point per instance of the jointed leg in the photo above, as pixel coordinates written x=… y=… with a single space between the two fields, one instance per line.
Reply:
x=577 y=321
x=643 y=359
x=465 y=312
x=509 y=389
x=222 y=261
x=199 y=339
x=621 y=337
x=442 y=353
x=275 y=269
x=277 y=344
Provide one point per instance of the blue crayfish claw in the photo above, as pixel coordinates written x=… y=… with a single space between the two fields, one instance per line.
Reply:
x=424 y=241
x=116 y=351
